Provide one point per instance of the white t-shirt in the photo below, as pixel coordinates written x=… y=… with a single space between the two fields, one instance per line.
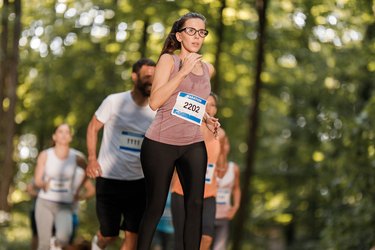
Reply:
x=125 y=124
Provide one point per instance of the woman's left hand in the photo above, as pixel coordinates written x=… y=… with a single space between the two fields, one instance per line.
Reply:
x=213 y=124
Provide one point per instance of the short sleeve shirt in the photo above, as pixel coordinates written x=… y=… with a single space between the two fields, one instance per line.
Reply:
x=125 y=124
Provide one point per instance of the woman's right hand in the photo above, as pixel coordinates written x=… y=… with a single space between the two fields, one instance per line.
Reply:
x=190 y=61
x=93 y=169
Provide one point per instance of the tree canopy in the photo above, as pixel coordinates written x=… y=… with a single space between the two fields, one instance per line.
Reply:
x=314 y=171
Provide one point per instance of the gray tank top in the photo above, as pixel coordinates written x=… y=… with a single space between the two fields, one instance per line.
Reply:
x=173 y=130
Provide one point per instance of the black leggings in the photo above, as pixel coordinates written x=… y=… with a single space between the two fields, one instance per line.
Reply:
x=178 y=215
x=158 y=163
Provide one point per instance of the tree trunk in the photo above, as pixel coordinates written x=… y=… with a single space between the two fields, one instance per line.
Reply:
x=3 y=71
x=7 y=121
x=220 y=34
x=244 y=209
x=3 y=56
x=143 y=49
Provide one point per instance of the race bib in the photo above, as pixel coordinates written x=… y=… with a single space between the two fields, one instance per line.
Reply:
x=189 y=107
x=210 y=173
x=131 y=141
x=223 y=197
x=59 y=185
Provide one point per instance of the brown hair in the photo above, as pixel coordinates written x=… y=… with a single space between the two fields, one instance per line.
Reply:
x=141 y=62
x=215 y=96
x=171 y=43
x=55 y=130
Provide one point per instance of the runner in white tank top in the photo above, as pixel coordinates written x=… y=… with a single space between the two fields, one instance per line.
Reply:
x=54 y=176
x=228 y=195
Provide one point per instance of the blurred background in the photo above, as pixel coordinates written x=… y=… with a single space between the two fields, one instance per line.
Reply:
x=296 y=85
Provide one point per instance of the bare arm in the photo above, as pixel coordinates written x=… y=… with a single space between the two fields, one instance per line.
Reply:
x=39 y=171
x=81 y=162
x=212 y=123
x=32 y=190
x=93 y=169
x=89 y=190
x=211 y=69
x=236 y=192
x=162 y=86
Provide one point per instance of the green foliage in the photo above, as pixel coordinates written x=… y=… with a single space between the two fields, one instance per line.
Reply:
x=315 y=158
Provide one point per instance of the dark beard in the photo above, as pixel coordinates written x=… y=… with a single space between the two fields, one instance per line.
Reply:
x=144 y=88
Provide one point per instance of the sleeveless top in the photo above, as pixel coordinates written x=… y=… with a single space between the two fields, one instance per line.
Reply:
x=60 y=173
x=224 y=192
x=169 y=129
x=213 y=152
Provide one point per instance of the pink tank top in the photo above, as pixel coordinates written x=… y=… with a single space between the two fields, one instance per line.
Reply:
x=173 y=130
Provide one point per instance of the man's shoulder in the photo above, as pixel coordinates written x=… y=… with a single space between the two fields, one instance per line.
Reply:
x=118 y=95
x=117 y=98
